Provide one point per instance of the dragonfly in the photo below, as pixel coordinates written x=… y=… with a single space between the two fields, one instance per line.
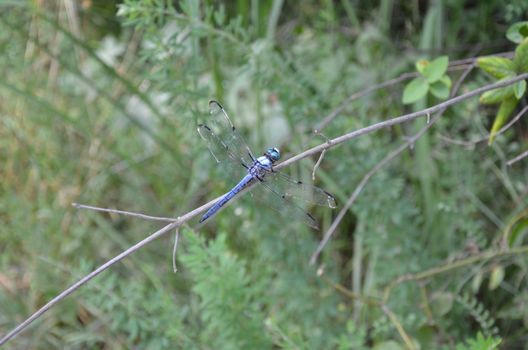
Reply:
x=256 y=174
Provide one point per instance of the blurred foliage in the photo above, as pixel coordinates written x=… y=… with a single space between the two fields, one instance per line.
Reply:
x=99 y=104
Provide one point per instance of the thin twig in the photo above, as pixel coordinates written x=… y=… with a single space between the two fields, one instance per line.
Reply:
x=176 y=239
x=123 y=212
x=392 y=155
x=357 y=95
x=193 y=213
x=371 y=301
x=451 y=266
x=316 y=166
x=392 y=317
x=518 y=158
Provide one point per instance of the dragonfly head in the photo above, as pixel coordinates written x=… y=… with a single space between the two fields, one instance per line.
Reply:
x=273 y=154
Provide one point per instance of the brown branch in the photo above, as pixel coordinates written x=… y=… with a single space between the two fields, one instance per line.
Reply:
x=399 y=120
x=123 y=212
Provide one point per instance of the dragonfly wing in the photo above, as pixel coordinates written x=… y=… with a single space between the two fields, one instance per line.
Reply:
x=219 y=124
x=298 y=190
x=265 y=194
x=228 y=161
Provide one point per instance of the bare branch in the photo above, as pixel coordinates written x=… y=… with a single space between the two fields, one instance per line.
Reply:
x=516 y=159
x=399 y=120
x=485 y=256
x=328 y=119
x=123 y=212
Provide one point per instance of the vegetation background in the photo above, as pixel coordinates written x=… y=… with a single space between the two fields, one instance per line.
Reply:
x=99 y=102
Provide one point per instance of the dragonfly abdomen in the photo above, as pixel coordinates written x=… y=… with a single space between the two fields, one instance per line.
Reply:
x=227 y=197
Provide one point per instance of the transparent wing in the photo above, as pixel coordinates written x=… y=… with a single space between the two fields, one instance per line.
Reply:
x=288 y=188
x=224 y=141
x=266 y=195
x=228 y=161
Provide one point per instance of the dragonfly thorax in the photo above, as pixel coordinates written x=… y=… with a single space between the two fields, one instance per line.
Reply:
x=260 y=167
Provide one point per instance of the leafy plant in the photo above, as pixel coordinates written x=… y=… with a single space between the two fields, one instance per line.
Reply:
x=479 y=314
x=432 y=79
x=504 y=68
x=480 y=342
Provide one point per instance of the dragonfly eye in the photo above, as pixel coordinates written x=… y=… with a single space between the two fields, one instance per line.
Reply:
x=273 y=154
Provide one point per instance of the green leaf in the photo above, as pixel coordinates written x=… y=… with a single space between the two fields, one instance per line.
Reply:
x=476 y=282
x=519 y=89
x=425 y=335
x=518 y=229
x=436 y=69
x=506 y=108
x=517 y=32
x=520 y=59
x=447 y=81
x=440 y=89
x=497 y=95
x=441 y=303
x=498 y=67
x=415 y=90
x=496 y=277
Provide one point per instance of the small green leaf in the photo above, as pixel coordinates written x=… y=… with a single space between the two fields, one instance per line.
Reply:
x=441 y=303
x=439 y=89
x=436 y=69
x=506 y=108
x=519 y=89
x=498 y=67
x=517 y=32
x=497 y=95
x=447 y=81
x=518 y=228
x=476 y=282
x=425 y=335
x=496 y=277
x=520 y=59
x=420 y=65
x=415 y=90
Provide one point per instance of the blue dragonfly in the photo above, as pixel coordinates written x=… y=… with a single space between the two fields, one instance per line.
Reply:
x=266 y=185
